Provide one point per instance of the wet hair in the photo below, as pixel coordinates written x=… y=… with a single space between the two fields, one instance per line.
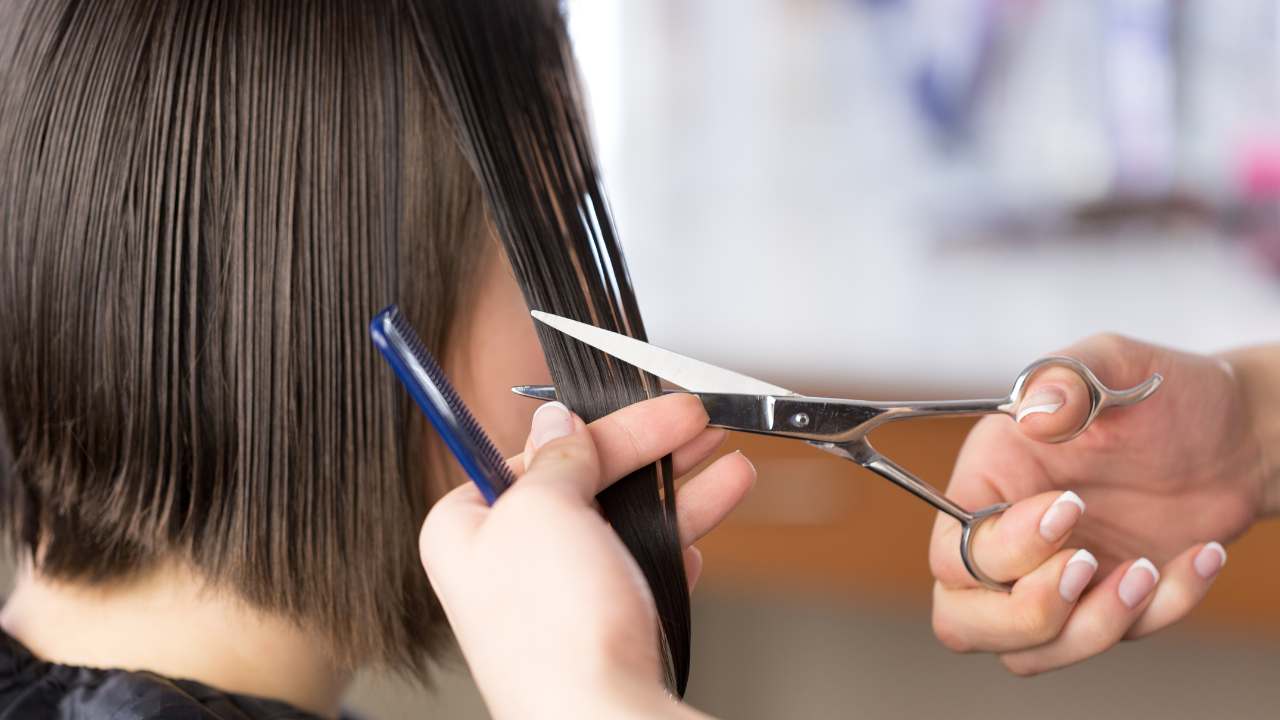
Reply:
x=201 y=205
x=506 y=74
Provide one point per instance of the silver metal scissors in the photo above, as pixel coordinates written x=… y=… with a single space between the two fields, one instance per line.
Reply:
x=840 y=427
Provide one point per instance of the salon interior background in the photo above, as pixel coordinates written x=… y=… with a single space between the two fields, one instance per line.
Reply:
x=879 y=198
x=886 y=198
x=897 y=198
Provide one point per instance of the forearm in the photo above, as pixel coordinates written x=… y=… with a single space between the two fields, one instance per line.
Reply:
x=1257 y=371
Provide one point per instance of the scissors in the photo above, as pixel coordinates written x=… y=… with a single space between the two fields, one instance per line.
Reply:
x=737 y=402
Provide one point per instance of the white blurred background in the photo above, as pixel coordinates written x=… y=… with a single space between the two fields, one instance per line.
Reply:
x=923 y=196
x=916 y=198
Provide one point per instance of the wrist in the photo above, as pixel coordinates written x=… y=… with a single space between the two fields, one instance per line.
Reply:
x=1256 y=372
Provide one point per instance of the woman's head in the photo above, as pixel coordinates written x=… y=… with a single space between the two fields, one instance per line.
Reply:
x=202 y=204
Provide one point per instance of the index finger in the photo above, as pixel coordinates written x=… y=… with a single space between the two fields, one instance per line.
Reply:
x=643 y=433
x=1007 y=546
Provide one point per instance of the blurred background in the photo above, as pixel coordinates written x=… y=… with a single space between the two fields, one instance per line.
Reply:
x=913 y=199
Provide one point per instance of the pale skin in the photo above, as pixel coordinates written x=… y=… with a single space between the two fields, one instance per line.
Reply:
x=1159 y=480
x=1162 y=478
x=584 y=606
x=1162 y=484
x=581 y=640
x=152 y=621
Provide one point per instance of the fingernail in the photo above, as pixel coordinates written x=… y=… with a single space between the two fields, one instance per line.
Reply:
x=1045 y=400
x=754 y=473
x=1210 y=560
x=1061 y=516
x=1138 y=582
x=1079 y=571
x=550 y=422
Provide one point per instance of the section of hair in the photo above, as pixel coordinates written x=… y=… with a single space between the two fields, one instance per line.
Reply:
x=201 y=206
x=507 y=74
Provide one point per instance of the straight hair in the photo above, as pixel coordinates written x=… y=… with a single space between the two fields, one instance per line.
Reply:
x=507 y=76
x=202 y=205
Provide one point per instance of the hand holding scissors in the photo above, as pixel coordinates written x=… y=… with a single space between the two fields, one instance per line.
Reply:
x=841 y=427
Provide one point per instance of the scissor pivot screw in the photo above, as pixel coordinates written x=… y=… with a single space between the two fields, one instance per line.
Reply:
x=800 y=420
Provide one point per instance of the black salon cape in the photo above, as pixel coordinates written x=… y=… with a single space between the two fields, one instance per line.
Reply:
x=31 y=689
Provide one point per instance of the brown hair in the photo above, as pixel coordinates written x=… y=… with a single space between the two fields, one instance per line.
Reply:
x=507 y=76
x=201 y=206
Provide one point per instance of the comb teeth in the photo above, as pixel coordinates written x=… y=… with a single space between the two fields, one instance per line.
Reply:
x=491 y=462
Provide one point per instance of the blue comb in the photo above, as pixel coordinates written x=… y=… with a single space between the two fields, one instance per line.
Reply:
x=425 y=381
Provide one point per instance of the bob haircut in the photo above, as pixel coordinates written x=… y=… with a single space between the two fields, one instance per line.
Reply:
x=201 y=205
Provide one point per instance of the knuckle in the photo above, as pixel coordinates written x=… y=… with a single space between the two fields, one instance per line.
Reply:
x=1035 y=622
x=1107 y=341
x=1238 y=510
x=1095 y=633
x=634 y=442
x=948 y=634
x=1019 y=665
x=936 y=562
x=625 y=434
x=690 y=408
x=942 y=561
x=1177 y=594
x=562 y=453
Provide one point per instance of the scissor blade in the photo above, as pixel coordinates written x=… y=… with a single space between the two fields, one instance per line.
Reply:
x=674 y=368
x=547 y=393
x=818 y=420
x=536 y=392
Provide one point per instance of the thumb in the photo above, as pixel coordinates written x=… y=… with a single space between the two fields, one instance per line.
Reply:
x=560 y=454
x=1054 y=405
x=1056 y=400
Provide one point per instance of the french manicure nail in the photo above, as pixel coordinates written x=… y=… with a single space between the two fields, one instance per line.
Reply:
x=1079 y=571
x=1138 y=582
x=1210 y=560
x=550 y=422
x=1061 y=516
x=1045 y=400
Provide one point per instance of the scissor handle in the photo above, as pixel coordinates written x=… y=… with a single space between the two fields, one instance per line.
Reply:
x=967 y=528
x=1101 y=397
x=862 y=453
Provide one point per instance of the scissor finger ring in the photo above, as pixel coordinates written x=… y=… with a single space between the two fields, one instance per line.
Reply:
x=1101 y=397
x=967 y=528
